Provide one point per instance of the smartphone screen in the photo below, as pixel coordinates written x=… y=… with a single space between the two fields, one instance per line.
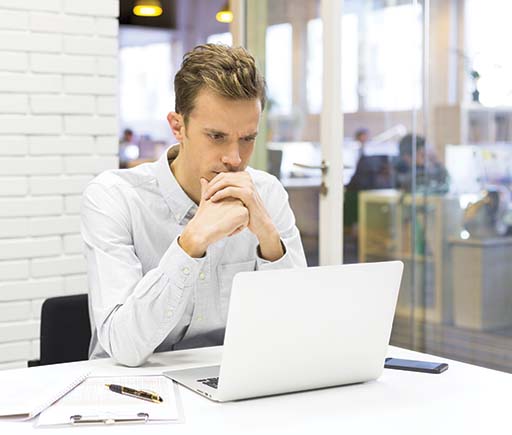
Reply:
x=416 y=366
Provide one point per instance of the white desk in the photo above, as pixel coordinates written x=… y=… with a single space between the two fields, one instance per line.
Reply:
x=464 y=400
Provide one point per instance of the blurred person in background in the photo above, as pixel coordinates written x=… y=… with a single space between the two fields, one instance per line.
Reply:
x=431 y=175
x=362 y=136
x=128 y=149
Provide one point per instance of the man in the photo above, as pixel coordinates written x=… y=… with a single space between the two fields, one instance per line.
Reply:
x=362 y=136
x=164 y=240
x=431 y=175
x=128 y=150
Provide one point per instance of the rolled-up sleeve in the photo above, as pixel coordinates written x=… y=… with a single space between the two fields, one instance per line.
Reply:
x=276 y=201
x=132 y=311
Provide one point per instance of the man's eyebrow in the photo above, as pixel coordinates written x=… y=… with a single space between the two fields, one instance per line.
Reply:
x=250 y=135
x=212 y=130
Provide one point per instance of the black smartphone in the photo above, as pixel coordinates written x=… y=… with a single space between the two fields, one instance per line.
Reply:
x=415 y=366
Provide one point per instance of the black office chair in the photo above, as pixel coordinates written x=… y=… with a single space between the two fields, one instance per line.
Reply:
x=372 y=172
x=65 y=330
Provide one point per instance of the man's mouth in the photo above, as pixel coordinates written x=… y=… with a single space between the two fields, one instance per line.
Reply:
x=227 y=170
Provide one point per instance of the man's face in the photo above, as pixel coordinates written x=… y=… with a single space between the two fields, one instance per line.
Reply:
x=363 y=138
x=420 y=156
x=219 y=135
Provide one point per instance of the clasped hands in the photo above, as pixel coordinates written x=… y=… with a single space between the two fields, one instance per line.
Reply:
x=229 y=204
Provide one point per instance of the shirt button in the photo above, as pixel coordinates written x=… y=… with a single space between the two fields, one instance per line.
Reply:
x=186 y=271
x=169 y=314
x=201 y=276
x=199 y=318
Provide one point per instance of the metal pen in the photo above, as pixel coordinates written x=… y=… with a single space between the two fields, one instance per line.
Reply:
x=139 y=394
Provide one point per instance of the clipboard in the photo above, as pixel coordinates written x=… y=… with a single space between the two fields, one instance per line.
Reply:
x=92 y=403
x=82 y=420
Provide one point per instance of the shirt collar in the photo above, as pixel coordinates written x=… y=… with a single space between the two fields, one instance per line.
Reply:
x=181 y=206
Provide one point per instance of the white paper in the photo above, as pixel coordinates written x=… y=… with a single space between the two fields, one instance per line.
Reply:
x=93 y=400
x=26 y=392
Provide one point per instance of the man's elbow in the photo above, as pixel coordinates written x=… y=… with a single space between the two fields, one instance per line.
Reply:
x=125 y=352
x=129 y=358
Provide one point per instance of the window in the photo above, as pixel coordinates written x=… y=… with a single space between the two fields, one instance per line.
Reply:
x=278 y=68
x=393 y=58
x=225 y=38
x=146 y=88
x=349 y=65
x=488 y=36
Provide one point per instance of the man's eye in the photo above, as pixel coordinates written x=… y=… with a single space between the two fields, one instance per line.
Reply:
x=216 y=137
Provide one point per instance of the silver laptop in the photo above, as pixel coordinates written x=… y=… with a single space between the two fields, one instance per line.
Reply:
x=300 y=329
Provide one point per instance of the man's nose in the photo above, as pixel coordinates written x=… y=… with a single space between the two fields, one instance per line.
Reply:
x=231 y=157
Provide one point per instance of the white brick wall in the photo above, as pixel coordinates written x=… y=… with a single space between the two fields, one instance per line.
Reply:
x=14 y=103
x=59 y=63
x=13 y=61
x=58 y=129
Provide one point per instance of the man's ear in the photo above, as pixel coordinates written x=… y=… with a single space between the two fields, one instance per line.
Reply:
x=177 y=124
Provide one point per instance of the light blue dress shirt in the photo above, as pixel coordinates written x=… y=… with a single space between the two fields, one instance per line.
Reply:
x=145 y=293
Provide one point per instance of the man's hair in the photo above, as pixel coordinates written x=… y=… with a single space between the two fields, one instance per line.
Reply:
x=229 y=72
x=406 y=144
x=360 y=131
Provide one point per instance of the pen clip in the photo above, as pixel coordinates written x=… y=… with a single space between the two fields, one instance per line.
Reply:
x=142 y=417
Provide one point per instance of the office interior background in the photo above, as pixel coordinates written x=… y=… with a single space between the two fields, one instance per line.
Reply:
x=74 y=77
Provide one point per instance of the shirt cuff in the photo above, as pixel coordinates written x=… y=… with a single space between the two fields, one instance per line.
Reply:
x=282 y=263
x=180 y=267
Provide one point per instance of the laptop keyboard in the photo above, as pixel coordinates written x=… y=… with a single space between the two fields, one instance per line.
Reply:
x=211 y=382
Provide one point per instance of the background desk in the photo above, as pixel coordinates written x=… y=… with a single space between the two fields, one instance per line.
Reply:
x=464 y=400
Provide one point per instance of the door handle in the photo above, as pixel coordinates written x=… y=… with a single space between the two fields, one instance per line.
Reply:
x=324 y=166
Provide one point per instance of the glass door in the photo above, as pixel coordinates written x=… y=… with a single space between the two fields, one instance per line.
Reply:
x=303 y=139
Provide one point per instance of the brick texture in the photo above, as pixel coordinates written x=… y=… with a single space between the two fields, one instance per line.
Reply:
x=58 y=129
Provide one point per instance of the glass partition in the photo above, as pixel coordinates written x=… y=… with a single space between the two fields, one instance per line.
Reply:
x=470 y=127
x=448 y=215
x=278 y=36
x=427 y=157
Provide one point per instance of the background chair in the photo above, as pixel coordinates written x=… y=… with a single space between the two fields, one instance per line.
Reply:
x=65 y=330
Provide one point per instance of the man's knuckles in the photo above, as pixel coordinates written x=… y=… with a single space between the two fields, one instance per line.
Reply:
x=243 y=215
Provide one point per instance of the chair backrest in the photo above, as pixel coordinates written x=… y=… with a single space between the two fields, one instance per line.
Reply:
x=372 y=172
x=274 y=160
x=65 y=329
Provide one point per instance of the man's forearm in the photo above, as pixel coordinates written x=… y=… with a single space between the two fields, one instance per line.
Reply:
x=270 y=246
x=191 y=242
x=132 y=332
x=134 y=318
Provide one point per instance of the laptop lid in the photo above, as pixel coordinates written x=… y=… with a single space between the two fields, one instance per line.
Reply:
x=299 y=329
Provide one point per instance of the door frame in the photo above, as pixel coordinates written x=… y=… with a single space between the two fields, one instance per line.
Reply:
x=248 y=34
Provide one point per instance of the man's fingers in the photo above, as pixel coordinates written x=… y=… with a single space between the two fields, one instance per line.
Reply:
x=204 y=187
x=219 y=182
x=224 y=179
x=231 y=192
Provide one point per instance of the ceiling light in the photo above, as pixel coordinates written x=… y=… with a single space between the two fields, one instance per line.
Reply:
x=224 y=15
x=147 y=8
